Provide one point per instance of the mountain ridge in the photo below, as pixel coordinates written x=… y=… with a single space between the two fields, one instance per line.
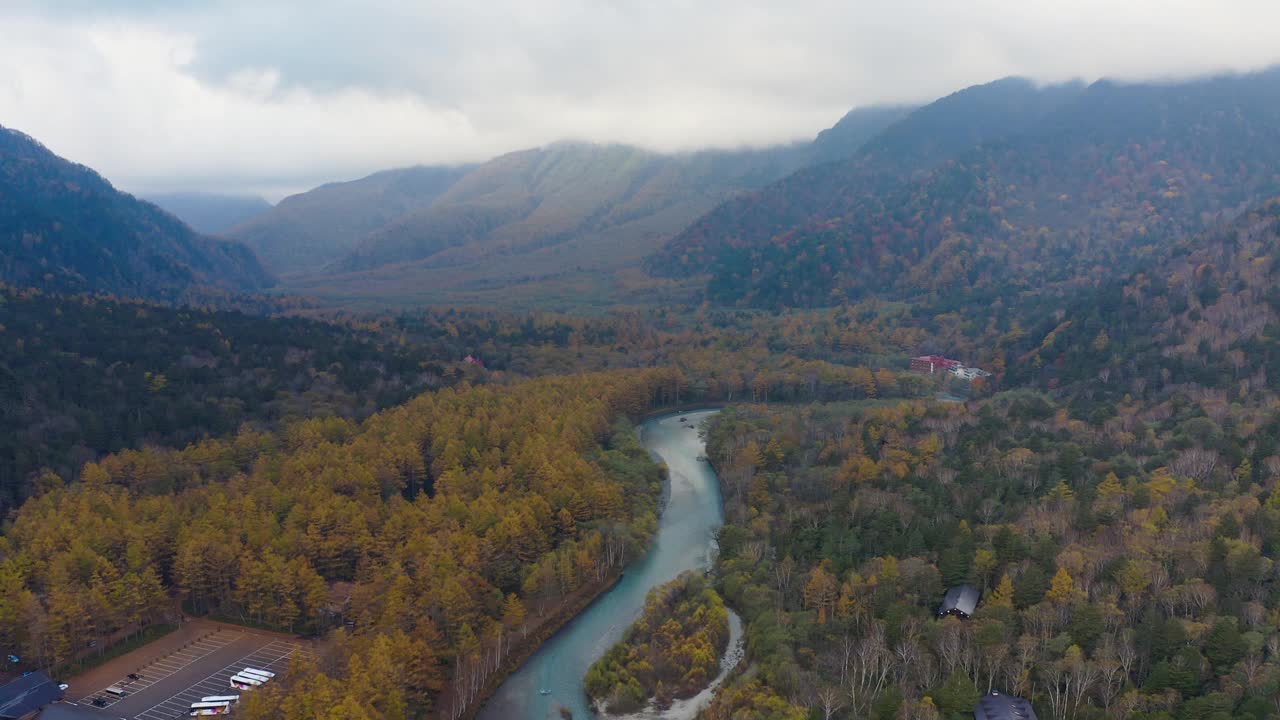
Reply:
x=67 y=229
x=209 y=213
x=1109 y=170
x=306 y=231
x=547 y=195
x=505 y=219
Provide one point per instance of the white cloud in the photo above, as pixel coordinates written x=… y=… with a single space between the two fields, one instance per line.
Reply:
x=274 y=97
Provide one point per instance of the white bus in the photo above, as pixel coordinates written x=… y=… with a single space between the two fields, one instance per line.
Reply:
x=233 y=699
x=210 y=708
x=246 y=682
x=256 y=671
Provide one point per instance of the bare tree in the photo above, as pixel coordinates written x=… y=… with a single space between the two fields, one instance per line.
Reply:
x=1196 y=463
x=872 y=666
x=831 y=700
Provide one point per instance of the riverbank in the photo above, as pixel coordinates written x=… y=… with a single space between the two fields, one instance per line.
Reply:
x=551 y=679
x=688 y=708
x=550 y=625
x=708 y=406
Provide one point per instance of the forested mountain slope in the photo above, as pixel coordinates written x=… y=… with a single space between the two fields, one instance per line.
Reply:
x=913 y=144
x=210 y=213
x=1206 y=318
x=65 y=228
x=312 y=229
x=1120 y=520
x=1093 y=185
x=564 y=192
x=81 y=377
x=851 y=132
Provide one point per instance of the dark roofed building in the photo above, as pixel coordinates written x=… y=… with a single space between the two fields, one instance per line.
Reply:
x=73 y=711
x=960 y=601
x=998 y=706
x=933 y=363
x=22 y=698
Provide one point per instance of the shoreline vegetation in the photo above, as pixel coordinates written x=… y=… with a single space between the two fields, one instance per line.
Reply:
x=671 y=652
x=551 y=624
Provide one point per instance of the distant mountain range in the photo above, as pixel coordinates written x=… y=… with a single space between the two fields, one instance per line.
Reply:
x=976 y=197
x=210 y=213
x=308 y=231
x=66 y=229
x=562 y=194
x=993 y=190
x=525 y=218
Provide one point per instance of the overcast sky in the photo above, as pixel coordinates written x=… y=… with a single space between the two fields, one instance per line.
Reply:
x=274 y=97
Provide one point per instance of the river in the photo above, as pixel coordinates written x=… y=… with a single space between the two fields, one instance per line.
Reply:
x=690 y=518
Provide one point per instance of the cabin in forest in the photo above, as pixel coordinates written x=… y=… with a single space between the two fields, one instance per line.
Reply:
x=24 y=697
x=998 y=706
x=960 y=601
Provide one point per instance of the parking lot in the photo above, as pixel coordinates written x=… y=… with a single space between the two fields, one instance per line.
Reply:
x=273 y=657
x=161 y=681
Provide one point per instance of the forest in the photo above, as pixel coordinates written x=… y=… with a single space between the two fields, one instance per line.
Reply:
x=428 y=493
x=672 y=651
x=1108 y=490
x=463 y=517
x=82 y=376
x=1124 y=566
x=86 y=376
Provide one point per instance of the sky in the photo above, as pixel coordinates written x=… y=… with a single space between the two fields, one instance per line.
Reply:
x=274 y=97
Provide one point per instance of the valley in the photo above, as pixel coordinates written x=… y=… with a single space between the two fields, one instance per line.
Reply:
x=539 y=428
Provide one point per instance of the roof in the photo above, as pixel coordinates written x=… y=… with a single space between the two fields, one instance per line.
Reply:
x=939 y=360
x=961 y=598
x=998 y=706
x=73 y=711
x=27 y=694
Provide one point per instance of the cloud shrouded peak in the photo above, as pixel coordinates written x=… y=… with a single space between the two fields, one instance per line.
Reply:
x=275 y=97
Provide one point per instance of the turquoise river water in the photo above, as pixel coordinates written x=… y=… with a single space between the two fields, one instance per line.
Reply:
x=691 y=517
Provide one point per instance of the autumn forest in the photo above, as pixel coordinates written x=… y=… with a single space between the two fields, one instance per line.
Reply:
x=426 y=494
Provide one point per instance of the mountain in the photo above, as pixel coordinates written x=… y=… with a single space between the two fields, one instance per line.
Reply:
x=209 y=213
x=1204 y=312
x=64 y=228
x=307 y=231
x=563 y=193
x=951 y=125
x=846 y=137
x=914 y=144
x=562 y=221
x=1073 y=181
